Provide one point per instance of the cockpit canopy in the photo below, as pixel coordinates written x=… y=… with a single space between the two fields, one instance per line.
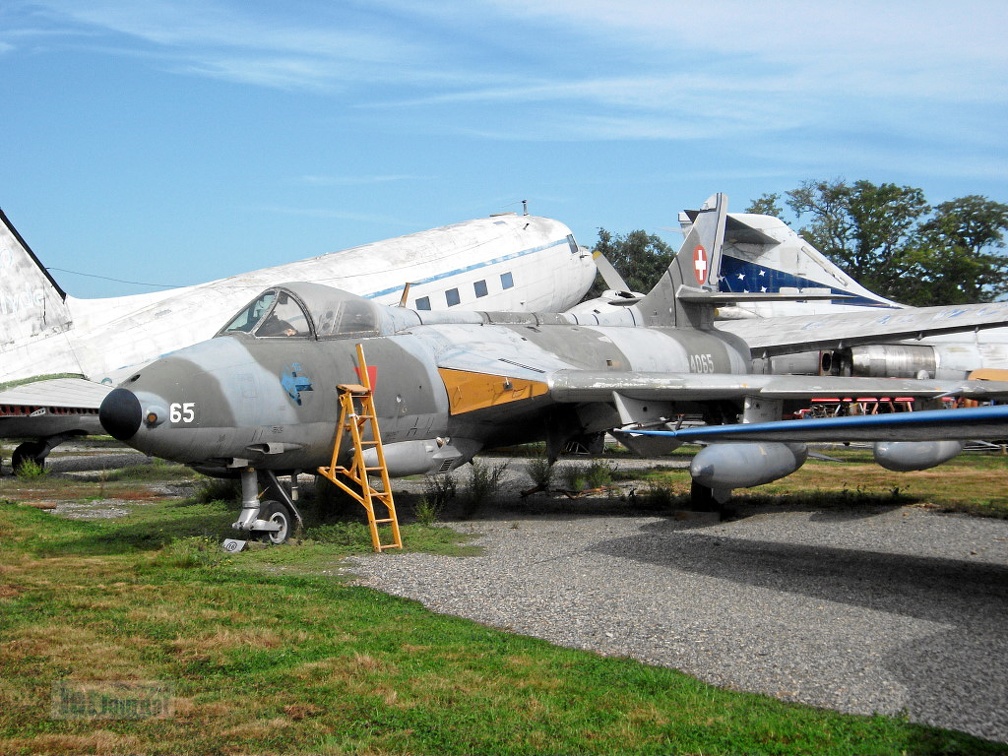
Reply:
x=307 y=311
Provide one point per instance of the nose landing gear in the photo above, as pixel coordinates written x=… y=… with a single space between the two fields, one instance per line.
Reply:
x=270 y=516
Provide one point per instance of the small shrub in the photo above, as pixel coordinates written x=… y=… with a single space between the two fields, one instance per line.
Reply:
x=596 y=474
x=599 y=473
x=426 y=512
x=484 y=483
x=655 y=497
x=217 y=489
x=438 y=491
x=540 y=469
x=29 y=469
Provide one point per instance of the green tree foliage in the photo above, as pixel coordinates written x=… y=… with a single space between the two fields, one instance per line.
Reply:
x=639 y=257
x=892 y=241
x=766 y=204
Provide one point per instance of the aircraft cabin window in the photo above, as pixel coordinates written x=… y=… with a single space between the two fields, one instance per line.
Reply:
x=480 y=288
x=452 y=297
x=248 y=318
x=287 y=319
x=507 y=281
x=423 y=303
x=573 y=244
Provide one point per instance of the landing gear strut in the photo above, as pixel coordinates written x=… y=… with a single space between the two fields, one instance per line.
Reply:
x=37 y=451
x=271 y=516
x=705 y=499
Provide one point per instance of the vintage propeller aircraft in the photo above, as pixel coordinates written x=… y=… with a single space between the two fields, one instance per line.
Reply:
x=261 y=397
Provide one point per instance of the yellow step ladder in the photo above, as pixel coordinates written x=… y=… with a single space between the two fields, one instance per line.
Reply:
x=356 y=412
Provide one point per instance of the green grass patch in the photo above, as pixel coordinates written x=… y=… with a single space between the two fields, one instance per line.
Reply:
x=972 y=483
x=269 y=651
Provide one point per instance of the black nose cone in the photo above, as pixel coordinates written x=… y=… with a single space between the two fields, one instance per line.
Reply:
x=120 y=414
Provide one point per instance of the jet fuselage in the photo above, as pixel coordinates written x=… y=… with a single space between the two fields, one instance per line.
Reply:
x=478 y=381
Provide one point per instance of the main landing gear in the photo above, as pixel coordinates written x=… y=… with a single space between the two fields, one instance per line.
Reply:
x=270 y=516
x=36 y=451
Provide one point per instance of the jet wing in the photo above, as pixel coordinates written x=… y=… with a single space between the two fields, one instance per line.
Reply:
x=927 y=425
x=51 y=407
x=573 y=386
x=781 y=335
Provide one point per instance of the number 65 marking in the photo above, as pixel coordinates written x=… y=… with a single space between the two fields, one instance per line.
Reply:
x=182 y=413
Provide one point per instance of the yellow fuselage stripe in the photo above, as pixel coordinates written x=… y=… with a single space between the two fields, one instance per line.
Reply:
x=468 y=391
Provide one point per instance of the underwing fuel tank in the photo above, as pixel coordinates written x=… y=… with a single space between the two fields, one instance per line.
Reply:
x=906 y=456
x=422 y=457
x=742 y=465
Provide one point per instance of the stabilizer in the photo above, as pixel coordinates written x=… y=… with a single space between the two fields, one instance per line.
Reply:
x=31 y=302
x=683 y=298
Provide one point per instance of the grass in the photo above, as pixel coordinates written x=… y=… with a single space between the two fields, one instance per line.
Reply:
x=270 y=651
x=973 y=484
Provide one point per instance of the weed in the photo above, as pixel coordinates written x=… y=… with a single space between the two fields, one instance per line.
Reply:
x=540 y=469
x=596 y=474
x=29 y=469
x=600 y=473
x=439 y=490
x=217 y=489
x=484 y=484
x=426 y=512
x=655 y=497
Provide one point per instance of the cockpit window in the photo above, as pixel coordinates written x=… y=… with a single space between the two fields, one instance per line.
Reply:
x=248 y=318
x=356 y=318
x=275 y=314
x=286 y=319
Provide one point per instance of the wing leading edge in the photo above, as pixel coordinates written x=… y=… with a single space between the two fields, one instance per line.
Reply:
x=925 y=425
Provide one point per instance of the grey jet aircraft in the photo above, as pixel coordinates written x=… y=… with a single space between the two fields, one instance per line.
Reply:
x=260 y=399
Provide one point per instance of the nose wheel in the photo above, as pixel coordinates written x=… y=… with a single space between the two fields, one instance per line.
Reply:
x=271 y=516
x=275 y=514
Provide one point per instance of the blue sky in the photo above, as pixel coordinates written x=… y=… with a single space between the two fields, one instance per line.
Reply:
x=176 y=142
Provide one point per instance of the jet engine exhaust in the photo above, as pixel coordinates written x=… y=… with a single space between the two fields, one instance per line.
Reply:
x=120 y=414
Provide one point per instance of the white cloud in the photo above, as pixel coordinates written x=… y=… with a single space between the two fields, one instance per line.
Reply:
x=642 y=69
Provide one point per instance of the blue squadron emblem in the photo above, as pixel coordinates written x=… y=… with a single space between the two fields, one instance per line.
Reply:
x=294 y=383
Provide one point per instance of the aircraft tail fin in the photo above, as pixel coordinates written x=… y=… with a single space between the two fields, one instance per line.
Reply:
x=763 y=254
x=31 y=302
x=686 y=294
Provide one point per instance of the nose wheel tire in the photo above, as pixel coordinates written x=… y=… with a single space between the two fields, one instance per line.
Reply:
x=276 y=513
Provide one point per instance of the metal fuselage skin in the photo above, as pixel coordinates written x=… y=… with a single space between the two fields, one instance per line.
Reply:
x=480 y=380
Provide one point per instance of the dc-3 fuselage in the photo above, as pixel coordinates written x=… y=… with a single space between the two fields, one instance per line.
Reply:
x=263 y=396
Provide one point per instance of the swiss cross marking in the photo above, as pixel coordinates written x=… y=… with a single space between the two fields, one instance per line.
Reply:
x=700 y=263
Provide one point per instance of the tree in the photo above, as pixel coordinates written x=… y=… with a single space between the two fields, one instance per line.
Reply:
x=766 y=204
x=641 y=259
x=889 y=239
x=964 y=240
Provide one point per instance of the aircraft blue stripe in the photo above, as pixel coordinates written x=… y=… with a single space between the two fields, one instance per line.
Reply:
x=738 y=276
x=978 y=416
x=470 y=268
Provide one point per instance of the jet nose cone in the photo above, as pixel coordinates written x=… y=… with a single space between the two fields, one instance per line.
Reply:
x=120 y=414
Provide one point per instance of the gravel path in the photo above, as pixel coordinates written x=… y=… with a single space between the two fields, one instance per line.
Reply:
x=887 y=610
